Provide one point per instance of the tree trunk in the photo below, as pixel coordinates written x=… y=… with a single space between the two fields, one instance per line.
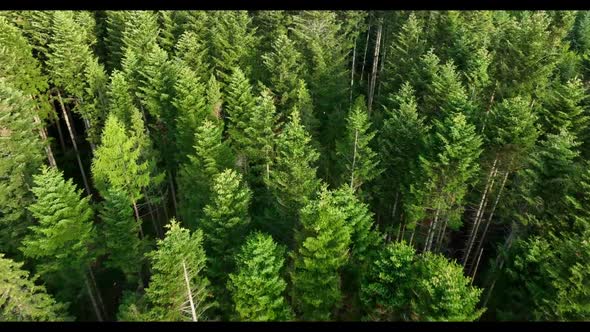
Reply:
x=98 y=296
x=72 y=136
x=375 y=65
x=352 y=71
x=441 y=236
x=478 y=215
x=93 y=300
x=46 y=143
x=87 y=126
x=150 y=207
x=172 y=191
x=189 y=292
x=413 y=233
x=476 y=265
x=356 y=136
x=60 y=134
x=489 y=220
x=365 y=54
x=431 y=230
x=138 y=219
x=382 y=64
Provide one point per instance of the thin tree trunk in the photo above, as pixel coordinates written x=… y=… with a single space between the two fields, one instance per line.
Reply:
x=87 y=126
x=441 y=236
x=93 y=300
x=72 y=136
x=356 y=136
x=375 y=65
x=189 y=292
x=365 y=54
x=60 y=135
x=476 y=265
x=137 y=218
x=413 y=233
x=489 y=220
x=382 y=64
x=431 y=230
x=475 y=226
x=150 y=208
x=394 y=206
x=98 y=296
x=172 y=191
x=352 y=71
x=46 y=143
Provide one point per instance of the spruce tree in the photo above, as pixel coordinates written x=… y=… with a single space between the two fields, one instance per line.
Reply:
x=178 y=289
x=193 y=51
x=210 y=156
x=21 y=156
x=322 y=250
x=257 y=286
x=119 y=233
x=21 y=299
x=358 y=158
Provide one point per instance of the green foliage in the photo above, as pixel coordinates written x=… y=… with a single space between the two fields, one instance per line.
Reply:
x=179 y=275
x=211 y=156
x=322 y=250
x=402 y=285
x=119 y=232
x=20 y=158
x=358 y=158
x=563 y=108
x=257 y=287
x=193 y=52
x=22 y=300
x=61 y=242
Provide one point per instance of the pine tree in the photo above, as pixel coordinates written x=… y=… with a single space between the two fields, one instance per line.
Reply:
x=447 y=172
x=563 y=108
x=226 y=220
x=21 y=156
x=233 y=43
x=322 y=249
x=62 y=241
x=402 y=285
x=22 y=300
x=95 y=105
x=402 y=140
x=119 y=233
x=257 y=286
x=194 y=53
x=166 y=38
x=210 y=156
x=179 y=289
x=293 y=179
x=115 y=27
x=117 y=163
x=359 y=160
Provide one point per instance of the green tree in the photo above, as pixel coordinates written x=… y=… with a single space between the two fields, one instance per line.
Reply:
x=358 y=158
x=211 y=156
x=119 y=234
x=322 y=250
x=179 y=289
x=257 y=286
x=62 y=241
x=21 y=156
x=193 y=51
x=401 y=285
x=22 y=300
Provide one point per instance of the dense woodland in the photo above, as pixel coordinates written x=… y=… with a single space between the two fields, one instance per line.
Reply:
x=294 y=165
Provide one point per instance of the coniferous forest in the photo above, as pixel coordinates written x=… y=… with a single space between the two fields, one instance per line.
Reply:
x=294 y=165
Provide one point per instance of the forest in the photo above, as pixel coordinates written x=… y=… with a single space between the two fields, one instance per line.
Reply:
x=294 y=165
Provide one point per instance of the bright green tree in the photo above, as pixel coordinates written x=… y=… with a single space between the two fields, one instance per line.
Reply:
x=257 y=286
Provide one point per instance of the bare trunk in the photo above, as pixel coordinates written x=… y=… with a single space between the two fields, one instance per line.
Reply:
x=72 y=136
x=413 y=233
x=431 y=231
x=489 y=220
x=382 y=64
x=441 y=236
x=172 y=192
x=478 y=215
x=375 y=65
x=87 y=126
x=352 y=71
x=189 y=292
x=137 y=218
x=46 y=143
x=98 y=296
x=394 y=206
x=476 y=265
x=356 y=135
x=60 y=135
x=150 y=207
x=365 y=54
x=93 y=300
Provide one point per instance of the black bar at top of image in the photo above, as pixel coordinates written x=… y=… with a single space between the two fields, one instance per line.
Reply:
x=297 y=4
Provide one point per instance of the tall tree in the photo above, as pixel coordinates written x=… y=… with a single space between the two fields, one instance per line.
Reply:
x=22 y=300
x=179 y=289
x=322 y=250
x=257 y=286
x=62 y=241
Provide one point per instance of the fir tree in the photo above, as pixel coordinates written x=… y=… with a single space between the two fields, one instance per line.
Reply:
x=22 y=300
x=322 y=249
x=179 y=289
x=257 y=287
